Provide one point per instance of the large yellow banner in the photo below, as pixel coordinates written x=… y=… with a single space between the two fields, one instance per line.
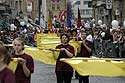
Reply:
x=84 y=66
x=43 y=55
x=45 y=41
x=97 y=67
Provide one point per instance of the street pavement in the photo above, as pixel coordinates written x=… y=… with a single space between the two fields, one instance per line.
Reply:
x=45 y=74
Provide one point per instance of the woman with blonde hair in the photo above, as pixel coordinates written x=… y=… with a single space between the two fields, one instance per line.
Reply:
x=25 y=65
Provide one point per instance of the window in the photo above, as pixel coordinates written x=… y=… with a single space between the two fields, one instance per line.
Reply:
x=86 y=12
x=86 y=2
x=58 y=0
x=58 y=7
x=89 y=3
x=77 y=3
x=83 y=12
x=53 y=7
x=53 y=0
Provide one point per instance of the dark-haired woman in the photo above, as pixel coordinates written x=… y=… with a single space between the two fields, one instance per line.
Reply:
x=64 y=72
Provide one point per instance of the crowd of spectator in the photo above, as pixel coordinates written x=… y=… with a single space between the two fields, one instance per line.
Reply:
x=107 y=41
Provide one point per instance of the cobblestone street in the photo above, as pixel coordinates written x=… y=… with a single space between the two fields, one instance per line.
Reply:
x=45 y=74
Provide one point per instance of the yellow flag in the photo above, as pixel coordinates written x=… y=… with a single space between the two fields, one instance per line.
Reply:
x=49 y=23
x=97 y=67
x=45 y=56
x=13 y=64
x=45 y=41
x=75 y=44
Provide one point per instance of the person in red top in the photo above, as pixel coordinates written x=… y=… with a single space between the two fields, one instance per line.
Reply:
x=64 y=71
x=84 y=50
x=6 y=75
x=26 y=64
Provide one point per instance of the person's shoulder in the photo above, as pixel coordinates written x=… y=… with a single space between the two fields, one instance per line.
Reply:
x=9 y=76
x=27 y=55
x=58 y=45
x=8 y=71
x=69 y=45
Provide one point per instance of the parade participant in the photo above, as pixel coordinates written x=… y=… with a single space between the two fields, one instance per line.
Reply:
x=26 y=65
x=74 y=32
x=69 y=32
x=6 y=75
x=84 y=50
x=75 y=35
x=64 y=72
x=122 y=47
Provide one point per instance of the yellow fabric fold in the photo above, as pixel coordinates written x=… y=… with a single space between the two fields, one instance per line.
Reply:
x=97 y=67
x=13 y=64
x=75 y=44
x=45 y=56
x=45 y=41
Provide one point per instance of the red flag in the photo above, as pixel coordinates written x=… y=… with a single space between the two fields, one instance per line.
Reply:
x=79 y=19
x=62 y=16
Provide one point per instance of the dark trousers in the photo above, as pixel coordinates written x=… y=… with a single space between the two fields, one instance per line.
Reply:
x=82 y=79
x=64 y=76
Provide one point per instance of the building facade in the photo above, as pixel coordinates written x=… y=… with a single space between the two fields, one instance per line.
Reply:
x=26 y=8
x=5 y=10
x=108 y=10
x=9 y=9
x=55 y=7
x=85 y=7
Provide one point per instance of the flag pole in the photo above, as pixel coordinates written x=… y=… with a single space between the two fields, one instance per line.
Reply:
x=49 y=22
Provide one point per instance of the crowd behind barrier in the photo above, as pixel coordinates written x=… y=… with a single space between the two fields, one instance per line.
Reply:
x=107 y=49
x=102 y=48
x=100 y=41
x=110 y=46
x=108 y=42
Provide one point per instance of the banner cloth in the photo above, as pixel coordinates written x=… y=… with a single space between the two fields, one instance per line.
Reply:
x=97 y=67
x=13 y=64
x=45 y=56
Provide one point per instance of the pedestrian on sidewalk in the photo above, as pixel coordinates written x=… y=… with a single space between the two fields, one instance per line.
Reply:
x=25 y=66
